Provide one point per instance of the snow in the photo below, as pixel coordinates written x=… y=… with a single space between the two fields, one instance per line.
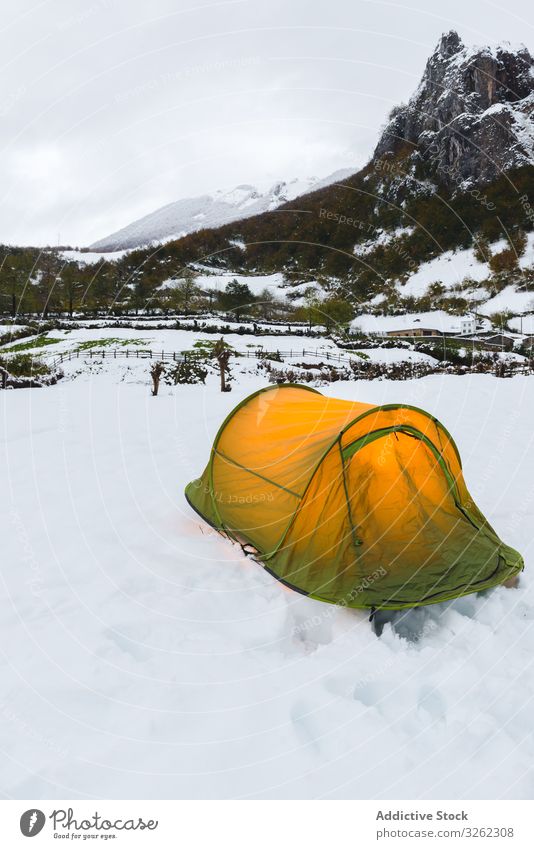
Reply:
x=527 y=260
x=455 y=267
x=256 y=283
x=449 y=268
x=510 y=299
x=523 y=324
x=396 y=355
x=147 y=657
x=276 y=284
x=91 y=257
x=189 y=214
x=433 y=320
x=170 y=341
x=377 y=299
x=381 y=238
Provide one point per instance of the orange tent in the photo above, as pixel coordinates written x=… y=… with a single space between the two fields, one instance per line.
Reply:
x=350 y=503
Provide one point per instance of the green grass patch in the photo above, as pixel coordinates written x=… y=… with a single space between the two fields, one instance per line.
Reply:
x=40 y=342
x=110 y=342
x=203 y=348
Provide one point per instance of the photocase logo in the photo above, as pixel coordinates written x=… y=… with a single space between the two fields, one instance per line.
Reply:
x=32 y=822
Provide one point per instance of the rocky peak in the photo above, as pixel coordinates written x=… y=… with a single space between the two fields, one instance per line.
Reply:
x=470 y=118
x=449 y=44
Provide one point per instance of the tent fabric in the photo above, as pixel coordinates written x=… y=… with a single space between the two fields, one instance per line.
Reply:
x=350 y=503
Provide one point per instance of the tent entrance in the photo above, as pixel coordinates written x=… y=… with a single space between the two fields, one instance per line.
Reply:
x=400 y=492
x=350 y=450
x=413 y=432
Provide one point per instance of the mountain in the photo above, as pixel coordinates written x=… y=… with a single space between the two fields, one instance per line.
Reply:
x=177 y=219
x=470 y=119
x=441 y=216
x=452 y=171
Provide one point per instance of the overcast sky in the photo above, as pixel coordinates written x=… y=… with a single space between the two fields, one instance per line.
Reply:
x=112 y=108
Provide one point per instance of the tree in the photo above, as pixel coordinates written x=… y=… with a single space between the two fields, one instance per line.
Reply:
x=236 y=297
x=212 y=295
x=183 y=294
x=336 y=312
x=144 y=293
x=266 y=303
x=71 y=285
x=310 y=310
x=482 y=249
x=14 y=274
x=222 y=352
x=126 y=276
x=48 y=268
x=156 y=372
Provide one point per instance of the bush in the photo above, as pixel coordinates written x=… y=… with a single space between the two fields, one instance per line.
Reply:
x=503 y=262
x=186 y=372
x=24 y=365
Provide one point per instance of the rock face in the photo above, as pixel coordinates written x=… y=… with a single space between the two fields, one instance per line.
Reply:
x=471 y=117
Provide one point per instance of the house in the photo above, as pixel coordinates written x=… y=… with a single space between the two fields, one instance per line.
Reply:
x=415 y=331
x=499 y=340
x=468 y=325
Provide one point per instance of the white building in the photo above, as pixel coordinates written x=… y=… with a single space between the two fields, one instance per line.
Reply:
x=468 y=325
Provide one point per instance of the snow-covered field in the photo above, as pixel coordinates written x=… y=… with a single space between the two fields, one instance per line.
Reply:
x=98 y=339
x=145 y=656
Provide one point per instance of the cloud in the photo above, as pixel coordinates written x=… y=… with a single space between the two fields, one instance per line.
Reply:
x=110 y=109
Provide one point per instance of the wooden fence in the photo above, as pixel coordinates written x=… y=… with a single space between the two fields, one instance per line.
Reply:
x=181 y=356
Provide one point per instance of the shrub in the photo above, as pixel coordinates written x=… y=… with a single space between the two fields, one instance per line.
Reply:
x=24 y=365
x=186 y=372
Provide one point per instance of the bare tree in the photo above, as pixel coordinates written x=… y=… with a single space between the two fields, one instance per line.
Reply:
x=156 y=372
x=222 y=353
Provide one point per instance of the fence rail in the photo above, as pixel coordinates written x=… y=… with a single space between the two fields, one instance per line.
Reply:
x=180 y=356
x=329 y=356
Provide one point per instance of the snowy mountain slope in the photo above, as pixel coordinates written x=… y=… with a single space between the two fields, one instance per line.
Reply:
x=185 y=216
x=449 y=268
